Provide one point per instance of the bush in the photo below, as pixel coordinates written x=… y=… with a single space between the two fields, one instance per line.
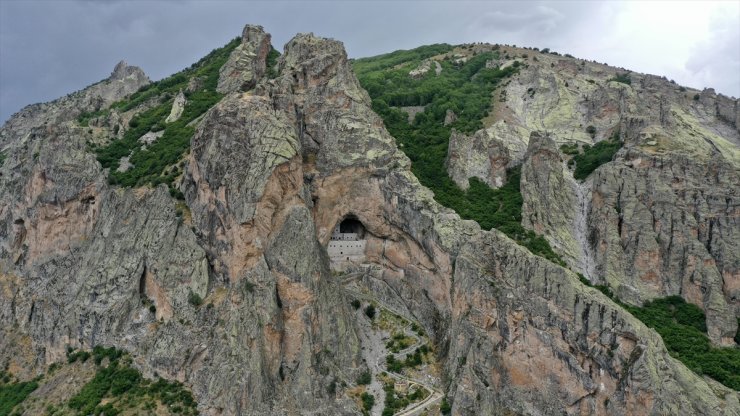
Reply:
x=12 y=394
x=364 y=378
x=368 y=401
x=623 y=78
x=591 y=130
x=356 y=304
x=595 y=156
x=445 y=407
x=683 y=329
x=370 y=311
x=195 y=299
x=123 y=386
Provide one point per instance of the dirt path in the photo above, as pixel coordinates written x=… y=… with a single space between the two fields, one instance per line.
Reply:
x=377 y=349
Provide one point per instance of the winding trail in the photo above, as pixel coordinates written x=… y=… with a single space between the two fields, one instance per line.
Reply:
x=434 y=394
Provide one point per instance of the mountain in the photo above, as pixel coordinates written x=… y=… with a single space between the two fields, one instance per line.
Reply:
x=470 y=230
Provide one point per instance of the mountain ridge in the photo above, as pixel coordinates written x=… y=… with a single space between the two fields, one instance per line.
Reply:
x=227 y=286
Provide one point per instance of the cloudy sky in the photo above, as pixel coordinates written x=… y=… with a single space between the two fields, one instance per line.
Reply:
x=53 y=47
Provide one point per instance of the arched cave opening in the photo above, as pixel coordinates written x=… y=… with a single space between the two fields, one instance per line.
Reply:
x=350 y=227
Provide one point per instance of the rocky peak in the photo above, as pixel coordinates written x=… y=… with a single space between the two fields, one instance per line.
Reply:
x=123 y=70
x=247 y=63
x=304 y=48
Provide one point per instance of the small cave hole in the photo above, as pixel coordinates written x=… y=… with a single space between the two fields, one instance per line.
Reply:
x=142 y=282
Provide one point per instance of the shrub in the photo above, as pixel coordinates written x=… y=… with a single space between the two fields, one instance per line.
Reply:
x=122 y=386
x=696 y=97
x=364 y=378
x=683 y=329
x=12 y=394
x=356 y=304
x=445 y=407
x=195 y=299
x=370 y=311
x=591 y=130
x=151 y=163
x=595 y=156
x=368 y=401
x=623 y=78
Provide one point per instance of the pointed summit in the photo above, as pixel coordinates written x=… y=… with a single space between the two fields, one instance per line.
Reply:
x=123 y=70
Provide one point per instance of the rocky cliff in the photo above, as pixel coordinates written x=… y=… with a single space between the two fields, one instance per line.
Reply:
x=246 y=310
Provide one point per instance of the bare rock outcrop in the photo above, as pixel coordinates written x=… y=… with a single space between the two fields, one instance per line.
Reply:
x=271 y=171
x=481 y=155
x=178 y=106
x=247 y=63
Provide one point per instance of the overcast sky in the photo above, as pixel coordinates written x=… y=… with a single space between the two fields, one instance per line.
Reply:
x=51 y=48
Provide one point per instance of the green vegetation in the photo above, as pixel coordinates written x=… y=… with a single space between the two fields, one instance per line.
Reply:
x=623 y=78
x=591 y=130
x=123 y=387
x=684 y=331
x=465 y=89
x=593 y=156
x=368 y=66
x=195 y=299
x=445 y=407
x=399 y=342
x=368 y=401
x=115 y=383
x=412 y=360
x=271 y=62
x=156 y=163
x=370 y=311
x=84 y=118
x=395 y=401
x=2 y=158
x=356 y=304
x=364 y=378
x=13 y=392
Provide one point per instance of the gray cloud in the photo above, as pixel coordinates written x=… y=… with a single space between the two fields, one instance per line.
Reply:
x=716 y=60
x=51 y=48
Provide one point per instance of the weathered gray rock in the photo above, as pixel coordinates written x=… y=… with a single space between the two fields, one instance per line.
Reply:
x=247 y=63
x=481 y=156
x=550 y=200
x=178 y=106
x=271 y=172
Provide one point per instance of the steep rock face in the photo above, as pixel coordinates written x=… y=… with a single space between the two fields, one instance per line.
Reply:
x=270 y=173
x=123 y=81
x=247 y=63
x=331 y=111
x=549 y=195
x=178 y=106
x=531 y=340
x=481 y=155
x=662 y=218
x=659 y=228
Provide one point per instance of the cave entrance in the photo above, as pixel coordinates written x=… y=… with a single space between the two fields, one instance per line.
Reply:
x=349 y=229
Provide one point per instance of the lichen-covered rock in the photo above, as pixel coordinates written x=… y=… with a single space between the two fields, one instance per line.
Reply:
x=178 y=106
x=481 y=156
x=550 y=200
x=247 y=313
x=247 y=63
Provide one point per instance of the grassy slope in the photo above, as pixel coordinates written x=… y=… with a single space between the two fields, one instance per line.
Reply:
x=156 y=163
